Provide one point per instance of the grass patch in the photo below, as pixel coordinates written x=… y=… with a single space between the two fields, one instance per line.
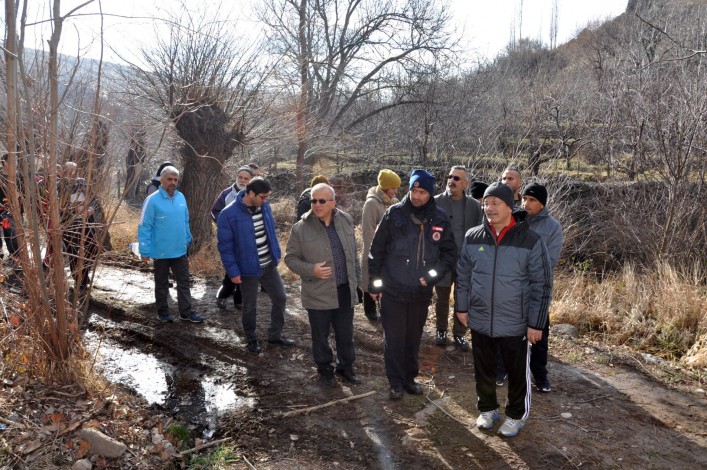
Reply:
x=223 y=457
x=660 y=312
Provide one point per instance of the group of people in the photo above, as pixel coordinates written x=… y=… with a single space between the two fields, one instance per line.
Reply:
x=77 y=223
x=494 y=250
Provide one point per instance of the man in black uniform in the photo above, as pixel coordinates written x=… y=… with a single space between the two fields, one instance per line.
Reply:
x=412 y=250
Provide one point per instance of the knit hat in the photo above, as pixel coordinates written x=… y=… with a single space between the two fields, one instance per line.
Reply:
x=477 y=189
x=318 y=179
x=388 y=179
x=246 y=168
x=501 y=191
x=423 y=179
x=537 y=191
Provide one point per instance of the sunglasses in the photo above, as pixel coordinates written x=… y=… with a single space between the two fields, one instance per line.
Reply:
x=454 y=177
x=320 y=201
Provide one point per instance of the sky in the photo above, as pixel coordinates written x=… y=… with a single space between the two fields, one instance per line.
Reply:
x=486 y=24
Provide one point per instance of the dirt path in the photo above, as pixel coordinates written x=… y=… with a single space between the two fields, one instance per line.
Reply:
x=619 y=415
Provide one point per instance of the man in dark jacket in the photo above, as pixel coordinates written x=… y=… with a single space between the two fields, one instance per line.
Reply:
x=464 y=212
x=250 y=252
x=504 y=287
x=549 y=229
x=412 y=250
x=227 y=196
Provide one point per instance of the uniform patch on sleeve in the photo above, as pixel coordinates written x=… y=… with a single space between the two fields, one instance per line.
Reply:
x=438 y=229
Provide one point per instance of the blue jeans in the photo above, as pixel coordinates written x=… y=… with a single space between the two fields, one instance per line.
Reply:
x=272 y=282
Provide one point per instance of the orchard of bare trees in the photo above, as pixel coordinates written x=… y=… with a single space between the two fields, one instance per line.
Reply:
x=356 y=84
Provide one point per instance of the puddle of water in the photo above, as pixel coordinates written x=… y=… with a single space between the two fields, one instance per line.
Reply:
x=199 y=398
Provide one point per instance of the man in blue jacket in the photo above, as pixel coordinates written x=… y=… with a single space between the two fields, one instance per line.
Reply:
x=550 y=230
x=250 y=253
x=412 y=250
x=164 y=236
x=504 y=287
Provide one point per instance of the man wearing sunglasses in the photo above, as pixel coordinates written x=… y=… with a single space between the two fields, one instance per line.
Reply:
x=322 y=251
x=464 y=212
x=250 y=252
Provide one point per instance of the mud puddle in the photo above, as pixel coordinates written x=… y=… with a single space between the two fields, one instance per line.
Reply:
x=199 y=397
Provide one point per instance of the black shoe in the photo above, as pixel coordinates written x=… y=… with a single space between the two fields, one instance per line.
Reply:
x=500 y=378
x=543 y=386
x=413 y=388
x=349 y=375
x=254 y=346
x=221 y=303
x=282 y=341
x=327 y=378
x=372 y=316
x=441 y=338
x=461 y=343
x=166 y=317
x=396 y=392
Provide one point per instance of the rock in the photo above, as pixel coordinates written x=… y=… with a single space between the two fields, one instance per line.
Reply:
x=83 y=464
x=103 y=445
x=565 y=329
x=651 y=359
x=566 y=415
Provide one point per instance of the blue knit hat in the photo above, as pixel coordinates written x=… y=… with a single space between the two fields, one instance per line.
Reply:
x=422 y=179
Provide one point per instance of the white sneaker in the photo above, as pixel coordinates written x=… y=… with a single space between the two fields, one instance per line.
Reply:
x=511 y=427
x=486 y=419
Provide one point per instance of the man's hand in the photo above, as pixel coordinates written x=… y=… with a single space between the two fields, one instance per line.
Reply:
x=145 y=259
x=376 y=297
x=321 y=271
x=423 y=282
x=534 y=335
x=236 y=280
x=463 y=318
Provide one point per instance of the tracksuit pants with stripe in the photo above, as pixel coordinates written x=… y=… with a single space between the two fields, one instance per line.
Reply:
x=515 y=353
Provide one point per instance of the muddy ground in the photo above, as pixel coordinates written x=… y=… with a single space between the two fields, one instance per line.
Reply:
x=608 y=408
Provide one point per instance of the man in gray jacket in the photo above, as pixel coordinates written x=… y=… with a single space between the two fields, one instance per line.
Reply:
x=464 y=212
x=504 y=287
x=549 y=229
x=322 y=251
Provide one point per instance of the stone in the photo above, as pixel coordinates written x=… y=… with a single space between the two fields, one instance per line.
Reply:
x=103 y=445
x=83 y=464
x=565 y=329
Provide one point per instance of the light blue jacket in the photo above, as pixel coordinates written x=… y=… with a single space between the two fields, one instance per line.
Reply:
x=163 y=231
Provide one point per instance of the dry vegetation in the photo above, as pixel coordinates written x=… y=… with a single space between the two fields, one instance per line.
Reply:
x=660 y=312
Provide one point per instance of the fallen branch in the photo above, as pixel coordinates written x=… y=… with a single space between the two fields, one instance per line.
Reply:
x=447 y=413
x=592 y=399
x=250 y=465
x=13 y=423
x=204 y=446
x=328 y=404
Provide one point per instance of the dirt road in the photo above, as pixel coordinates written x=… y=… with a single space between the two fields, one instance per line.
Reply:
x=606 y=410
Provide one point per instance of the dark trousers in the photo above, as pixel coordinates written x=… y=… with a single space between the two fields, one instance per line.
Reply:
x=272 y=282
x=402 y=330
x=180 y=271
x=442 y=309
x=228 y=288
x=341 y=320
x=515 y=353
x=72 y=244
x=369 y=305
x=538 y=356
x=7 y=229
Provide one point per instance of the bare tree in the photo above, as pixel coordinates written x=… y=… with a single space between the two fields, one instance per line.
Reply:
x=337 y=53
x=207 y=83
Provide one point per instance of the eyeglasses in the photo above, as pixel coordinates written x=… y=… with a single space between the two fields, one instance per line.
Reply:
x=454 y=177
x=320 y=201
x=264 y=197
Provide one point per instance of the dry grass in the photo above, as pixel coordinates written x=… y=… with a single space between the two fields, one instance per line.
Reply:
x=661 y=312
x=123 y=231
